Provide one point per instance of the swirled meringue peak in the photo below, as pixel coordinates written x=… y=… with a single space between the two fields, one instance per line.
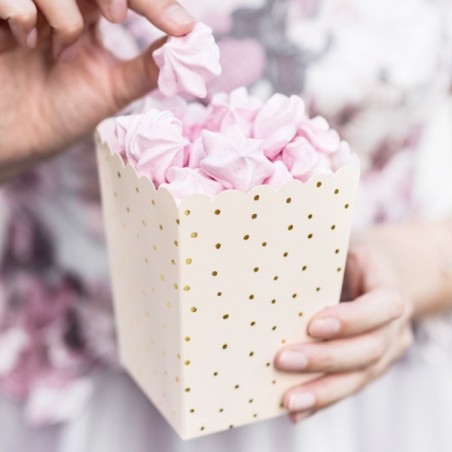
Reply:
x=277 y=122
x=184 y=182
x=235 y=160
x=154 y=142
x=188 y=62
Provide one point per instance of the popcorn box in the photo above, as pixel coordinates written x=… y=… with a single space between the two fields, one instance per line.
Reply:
x=206 y=291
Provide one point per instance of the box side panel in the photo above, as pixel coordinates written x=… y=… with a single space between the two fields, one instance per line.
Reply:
x=142 y=235
x=254 y=271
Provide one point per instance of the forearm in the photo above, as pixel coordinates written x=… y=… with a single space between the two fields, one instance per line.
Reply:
x=421 y=254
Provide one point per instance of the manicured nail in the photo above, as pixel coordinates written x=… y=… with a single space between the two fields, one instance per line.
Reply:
x=118 y=10
x=31 y=41
x=179 y=15
x=328 y=326
x=293 y=360
x=297 y=417
x=300 y=401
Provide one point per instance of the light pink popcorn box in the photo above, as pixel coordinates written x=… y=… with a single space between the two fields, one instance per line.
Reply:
x=206 y=291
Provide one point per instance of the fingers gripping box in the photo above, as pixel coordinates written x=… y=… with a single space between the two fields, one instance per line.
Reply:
x=206 y=291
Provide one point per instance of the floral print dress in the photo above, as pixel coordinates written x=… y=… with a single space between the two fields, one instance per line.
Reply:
x=377 y=69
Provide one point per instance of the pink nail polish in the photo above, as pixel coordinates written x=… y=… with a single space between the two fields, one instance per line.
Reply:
x=293 y=360
x=300 y=401
x=179 y=15
x=328 y=326
x=118 y=10
x=31 y=41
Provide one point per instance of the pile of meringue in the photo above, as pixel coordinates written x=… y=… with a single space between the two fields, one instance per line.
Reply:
x=234 y=142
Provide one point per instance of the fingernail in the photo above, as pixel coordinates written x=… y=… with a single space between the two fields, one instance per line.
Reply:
x=67 y=54
x=293 y=360
x=325 y=327
x=31 y=41
x=118 y=10
x=301 y=401
x=179 y=15
x=297 y=417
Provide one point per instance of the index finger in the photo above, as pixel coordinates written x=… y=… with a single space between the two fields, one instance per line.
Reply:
x=167 y=15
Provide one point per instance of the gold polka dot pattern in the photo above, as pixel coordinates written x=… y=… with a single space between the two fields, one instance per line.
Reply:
x=207 y=291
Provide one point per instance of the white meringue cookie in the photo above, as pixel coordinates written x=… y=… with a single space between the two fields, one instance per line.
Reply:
x=318 y=132
x=188 y=62
x=235 y=160
x=280 y=176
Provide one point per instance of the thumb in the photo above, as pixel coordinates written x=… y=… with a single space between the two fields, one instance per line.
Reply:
x=134 y=78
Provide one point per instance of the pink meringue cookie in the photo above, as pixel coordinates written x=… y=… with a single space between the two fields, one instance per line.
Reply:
x=344 y=156
x=301 y=158
x=184 y=182
x=235 y=160
x=154 y=142
x=188 y=62
x=194 y=120
x=238 y=107
x=277 y=122
x=196 y=153
x=318 y=132
x=280 y=176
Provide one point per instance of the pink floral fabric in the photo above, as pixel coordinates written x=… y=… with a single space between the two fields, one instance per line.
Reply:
x=376 y=69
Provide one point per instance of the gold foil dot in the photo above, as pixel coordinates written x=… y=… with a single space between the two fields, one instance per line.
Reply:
x=188 y=261
x=192 y=410
x=250 y=400
x=176 y=379
x=218 y=246
x=176 y=286
x=153 y=202
x=273 y=382
x=178 y=356
x=275 y=278
x=256 y=198
x=162 y=277
x=161 y=227
x=236 y=386
x=346 y=206
x=219 y=294
x=225 y=346
x=226 y=316
x=294 y=295
x=138 y=236
x=215 y=374
x=273 y=301
x=187 y=338
x=143 y=222
x=251 y=297
x=217 y=212
x=300 y=314
x=336 y=251
x=154 y=247
x=286 y=254
x=252 y=323
x=274 y=328
x=128 y=209
x=290 y=227
x=146 y=260
x=193 y=309
x=177 y=221
x=317 y=289
x=254 y=216
x=187 y=362
x=251 y=354
x=115 y=194
x=310 y=216
x=220 y=410
x=333 y=227
x=339 y=269
x=186 y=288
x=187 y=389
x=283 y=341
x=288 y=200
x=214 y=273
x=336 y=192
x=194 y=235
x=310 y=236
x=231 y=426
x=176 y=243
x=255 y=269
x=119 y=174
x=264 y=244
x=319 y=184
x=267 y=364
x=173 y=262
x=169 y=305
x=202 y=428
x=187 y=212
x=246 y=237
x=255 y=415
x=304 y=268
